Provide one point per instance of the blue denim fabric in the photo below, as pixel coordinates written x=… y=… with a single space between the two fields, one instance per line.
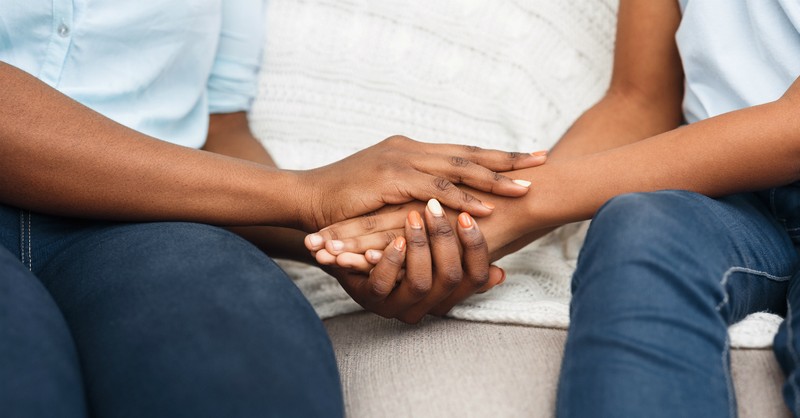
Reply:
x=153 y=320
x=659 y=280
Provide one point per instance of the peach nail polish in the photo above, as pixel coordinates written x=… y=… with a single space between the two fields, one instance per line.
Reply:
x=414 y=220
x=465 y=220
x=523 y=183
x=502 y=279
x=539 y=153
x=399 y=243
x=489 y=205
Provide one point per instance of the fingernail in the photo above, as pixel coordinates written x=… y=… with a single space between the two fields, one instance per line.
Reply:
x=539 y=153
x=465 y=221
x=502 y=279
x=337 y=245
x=316 y=240
x=489 y=205
x=415 y=220
x=399 y=243
x=523 y=183
x=374 y=256
x=436 y=208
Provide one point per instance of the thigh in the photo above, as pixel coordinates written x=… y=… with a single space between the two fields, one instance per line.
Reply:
x=39 y=369
x=660 y=278
x=179 y=319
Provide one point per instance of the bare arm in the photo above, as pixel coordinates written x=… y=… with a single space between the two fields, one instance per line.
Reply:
x=62 y=158
x=229 y=134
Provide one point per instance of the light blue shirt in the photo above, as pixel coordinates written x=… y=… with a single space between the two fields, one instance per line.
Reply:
x=159 y=67
x=737 y=53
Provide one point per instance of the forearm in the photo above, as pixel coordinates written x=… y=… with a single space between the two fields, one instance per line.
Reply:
x=750 y=149
x=60 y=157
x=229 y=134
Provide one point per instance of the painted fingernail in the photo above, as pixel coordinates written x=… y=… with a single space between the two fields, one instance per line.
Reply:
x=415 y=220
x=502 y=279
x=399 y=243
x=337 y=245
x=465 y=221
x=523 y=183
x=436 y=208
x=489 y=205
x=373 y=256
x=539 y=153
x=316 y=240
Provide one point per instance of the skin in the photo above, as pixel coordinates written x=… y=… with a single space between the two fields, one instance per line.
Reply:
x=630 y=141
x=62 y=158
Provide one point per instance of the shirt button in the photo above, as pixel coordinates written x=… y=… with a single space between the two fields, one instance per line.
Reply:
x=63 y=30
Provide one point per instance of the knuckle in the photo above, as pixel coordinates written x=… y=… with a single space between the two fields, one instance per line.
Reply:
x=417 y=242
x=442 y=230
x=472 y=148
x=451 y=277
x=368 y=222
x=497 y=176
x=456 y=161
x=513 y=155
x=477 y=243
x=393 y=259
x=333 y=234
x=419 y=288
x=442 y=184
x=389 y=237
x=377 y=290
x=480 y=280
x=397 y=140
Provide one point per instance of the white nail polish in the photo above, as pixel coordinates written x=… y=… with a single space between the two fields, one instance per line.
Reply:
x=523 y=183
x=435 y=207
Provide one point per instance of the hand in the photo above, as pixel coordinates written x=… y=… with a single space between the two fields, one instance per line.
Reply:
x=505 y=232
x=399 y=170
x=434 y=278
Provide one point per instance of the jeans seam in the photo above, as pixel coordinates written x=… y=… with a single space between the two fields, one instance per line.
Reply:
x=793 y=356
x=30 y=245
x=22 y=237
x=724 y=281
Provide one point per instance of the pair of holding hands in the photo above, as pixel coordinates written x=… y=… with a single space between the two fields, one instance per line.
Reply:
x=410 y=259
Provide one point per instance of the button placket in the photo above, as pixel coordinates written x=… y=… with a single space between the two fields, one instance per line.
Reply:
x=60 y=42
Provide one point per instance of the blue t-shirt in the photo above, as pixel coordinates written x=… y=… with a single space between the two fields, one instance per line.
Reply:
x=159 y=67
x=737 y=53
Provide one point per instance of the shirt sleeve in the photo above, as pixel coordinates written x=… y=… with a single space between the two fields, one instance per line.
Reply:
x=233 y=81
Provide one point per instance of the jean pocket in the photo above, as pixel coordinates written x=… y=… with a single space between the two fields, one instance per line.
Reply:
x=785 y=204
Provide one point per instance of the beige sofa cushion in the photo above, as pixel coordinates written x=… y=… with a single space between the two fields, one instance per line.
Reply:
x=453 y=368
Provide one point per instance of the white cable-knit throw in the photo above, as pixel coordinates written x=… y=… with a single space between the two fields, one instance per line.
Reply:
x=340 y=75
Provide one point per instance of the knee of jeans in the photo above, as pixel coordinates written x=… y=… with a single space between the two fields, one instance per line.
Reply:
x=636 y=227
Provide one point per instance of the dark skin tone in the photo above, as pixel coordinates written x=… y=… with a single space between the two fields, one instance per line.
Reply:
x=62 y=158
x=630 y=141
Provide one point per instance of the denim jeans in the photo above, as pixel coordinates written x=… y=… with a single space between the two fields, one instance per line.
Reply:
x=153 y=320
x=660 y=278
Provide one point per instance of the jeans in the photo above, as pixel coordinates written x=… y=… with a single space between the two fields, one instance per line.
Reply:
x=660 y=278
x=153 y=320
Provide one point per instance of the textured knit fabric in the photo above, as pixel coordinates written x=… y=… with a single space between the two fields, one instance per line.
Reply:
x=157 y=67
x=339 y=76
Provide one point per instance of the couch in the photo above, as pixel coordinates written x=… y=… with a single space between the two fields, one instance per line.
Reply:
x=339 y=75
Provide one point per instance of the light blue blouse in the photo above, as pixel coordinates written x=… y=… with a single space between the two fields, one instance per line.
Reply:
x=737 y=53
x=159 y=67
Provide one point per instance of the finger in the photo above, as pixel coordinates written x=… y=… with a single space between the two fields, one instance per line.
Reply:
x=446 y=260
x=325 y=258
x=460 y=170
x=363 y=225
x=416 y=283
x=447 y=193
x=497 y=276
x=360 y=245
x=477 y=277
x=383 y=277
x=353 y=261
x=493 y=159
